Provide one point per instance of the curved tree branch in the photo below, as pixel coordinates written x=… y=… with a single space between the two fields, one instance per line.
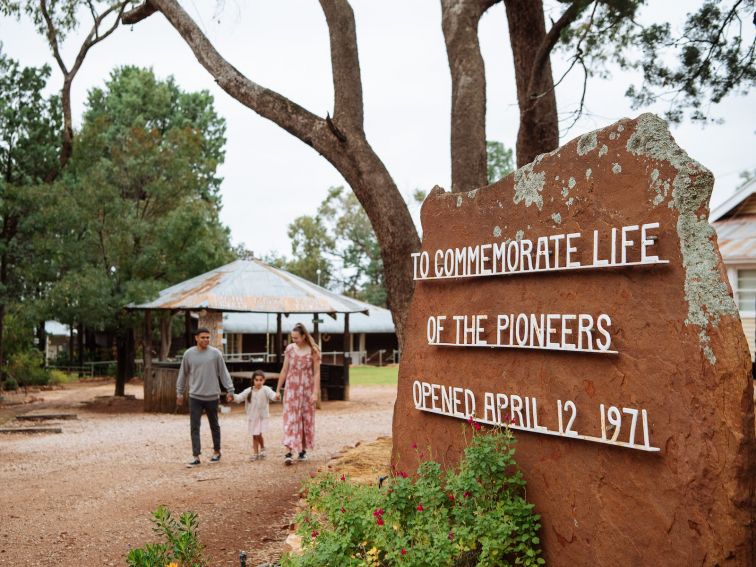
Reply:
x=347 y=82
x=93 y=38
x=340 y=140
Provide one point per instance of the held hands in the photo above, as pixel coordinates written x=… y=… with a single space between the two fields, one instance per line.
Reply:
x=179 y=401
x=278 y=397
x=229 y=397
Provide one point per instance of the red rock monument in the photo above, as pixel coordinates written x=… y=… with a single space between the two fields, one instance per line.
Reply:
x=582 y=299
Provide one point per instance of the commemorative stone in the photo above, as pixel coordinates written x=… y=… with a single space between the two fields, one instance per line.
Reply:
x=582 y=302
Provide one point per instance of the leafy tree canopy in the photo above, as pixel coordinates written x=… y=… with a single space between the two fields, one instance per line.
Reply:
x=708 y=59
x=140 y=197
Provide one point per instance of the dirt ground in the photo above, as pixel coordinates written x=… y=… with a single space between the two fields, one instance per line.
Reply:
x=83 y=497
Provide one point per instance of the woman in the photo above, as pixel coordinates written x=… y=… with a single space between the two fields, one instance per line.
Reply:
x=301 y=374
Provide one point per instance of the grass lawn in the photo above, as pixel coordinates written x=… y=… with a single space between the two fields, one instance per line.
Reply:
x=373 y=375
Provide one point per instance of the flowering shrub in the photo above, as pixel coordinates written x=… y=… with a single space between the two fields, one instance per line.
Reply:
x=181 y=546
x=475 y=516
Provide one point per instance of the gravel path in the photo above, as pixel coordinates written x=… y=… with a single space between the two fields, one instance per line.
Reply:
x=83 y=497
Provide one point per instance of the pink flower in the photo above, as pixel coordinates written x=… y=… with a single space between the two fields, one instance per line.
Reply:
x=379 y=521
x=470 y=420
x=420 y=508
x=414 y=445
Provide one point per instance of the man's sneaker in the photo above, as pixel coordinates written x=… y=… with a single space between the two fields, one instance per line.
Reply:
x=215 y=459
x=261 y=455
x=192 y=464
x=254 y=457
x=288 y=460
x=302 y=456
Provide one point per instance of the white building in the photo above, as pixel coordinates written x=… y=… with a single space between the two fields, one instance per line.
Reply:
x=735 y=223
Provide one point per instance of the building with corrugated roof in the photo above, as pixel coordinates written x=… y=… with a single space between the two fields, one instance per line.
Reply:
x=735 y=223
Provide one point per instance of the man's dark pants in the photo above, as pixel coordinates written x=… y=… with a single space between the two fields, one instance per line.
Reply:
x=210 y=407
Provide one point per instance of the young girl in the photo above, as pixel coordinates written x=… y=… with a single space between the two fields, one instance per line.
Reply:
x=256 y=401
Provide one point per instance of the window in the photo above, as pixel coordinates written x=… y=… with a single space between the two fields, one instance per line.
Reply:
x=747 y=291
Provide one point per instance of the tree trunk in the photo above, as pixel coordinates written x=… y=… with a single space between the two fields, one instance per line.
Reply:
x=80 y=348
x=3 y=372
x=126 y=351
x=166 y=325
x=341 y=139
x=539 y=129
x=42 y=339
x=460 y=20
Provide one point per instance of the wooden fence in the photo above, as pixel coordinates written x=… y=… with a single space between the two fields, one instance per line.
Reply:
x=160 y=383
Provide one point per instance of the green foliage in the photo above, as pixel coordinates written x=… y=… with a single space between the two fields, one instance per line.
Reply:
x=180 y=543
x=499 y=161
x=26 y=368
x=475 y=516
x=137 y=209
x=9 y=385
x=373 y=375
x=339 y=241
x=60 y=377
x=709 y=58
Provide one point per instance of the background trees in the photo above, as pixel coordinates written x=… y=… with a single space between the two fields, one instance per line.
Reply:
x=141 y=202
x=29 y=129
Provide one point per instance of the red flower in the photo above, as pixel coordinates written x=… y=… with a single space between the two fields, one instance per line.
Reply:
x=470 y=420
x=404 y=551
x=343 y=478
x=467 y=494
x=420 y=508
x=379 y=521
x=402 y=474
x=314 y=534
x=476 y=425
x=451 y=497
x=414 y=445
x=451 y=536
x=378 y=513
x=343 y=510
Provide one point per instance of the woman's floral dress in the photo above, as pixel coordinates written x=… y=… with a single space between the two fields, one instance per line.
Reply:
x=298 y=407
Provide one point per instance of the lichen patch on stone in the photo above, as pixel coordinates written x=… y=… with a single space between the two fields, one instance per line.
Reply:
x=616 y=168
x=497 y=231
x=459 y=200
x=571 y=182
x=557 y=218
x=528 y=186
x=604 y=150
x=471 y=194
x=587 y=143
x=707 y=295
x=519 y=235
x=588 y=173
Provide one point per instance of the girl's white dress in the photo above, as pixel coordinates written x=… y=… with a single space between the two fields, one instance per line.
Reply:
x=256 y=404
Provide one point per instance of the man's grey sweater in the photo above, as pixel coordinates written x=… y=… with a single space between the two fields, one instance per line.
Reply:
x=202 y=369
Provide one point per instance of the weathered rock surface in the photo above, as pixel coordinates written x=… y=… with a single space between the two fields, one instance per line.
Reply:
x=681 y=354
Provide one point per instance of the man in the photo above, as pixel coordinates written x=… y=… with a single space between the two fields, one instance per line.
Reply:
x=202 y=367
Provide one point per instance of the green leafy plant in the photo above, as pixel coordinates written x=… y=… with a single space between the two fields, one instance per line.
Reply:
x=25 y=368
x=10 y=384
x=474 y=516
x=180 y=546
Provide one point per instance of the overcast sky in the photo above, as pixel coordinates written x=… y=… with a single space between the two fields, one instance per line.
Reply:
x=270 y=178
